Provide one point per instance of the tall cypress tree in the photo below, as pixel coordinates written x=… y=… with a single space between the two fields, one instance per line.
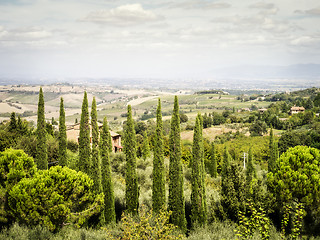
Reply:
x=198 y=199
x=273 y=152
x=41 y=149
x=107 y=185
x=110 y=147
x=95 y=160
x=62 y=136
x=145 y=147
x=84 y=163
x=250 y=171
x=176 y=202
x=158 y=181
x=132 y=192
x=13 y=122
x=213 y=161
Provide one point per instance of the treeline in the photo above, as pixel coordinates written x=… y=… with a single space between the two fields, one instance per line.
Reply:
x=281 y=193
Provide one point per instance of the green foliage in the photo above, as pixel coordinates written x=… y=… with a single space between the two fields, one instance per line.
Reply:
x=145 y=148
x=14 y=166
x=250 y=171
x=132 y=191
x=232 y=190
x=198 y=194
x=253 y=219
x=13 y=122
x=95 y=171
x=158 y=184
x=41 y=150
x=176 y=202
x=296 y=179
x=107 y=184
x=54 y=198
x=258 y=128
x=84 y=163
x=213 y=161
x=273 y=152
x=62 y=136
x=146 y=226
x=297 y=176
x=183 y=118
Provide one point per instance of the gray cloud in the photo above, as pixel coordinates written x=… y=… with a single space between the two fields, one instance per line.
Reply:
x=313 y=11
x=262 y=5
x=125 y=15
x=310 y=12
x=190 y=5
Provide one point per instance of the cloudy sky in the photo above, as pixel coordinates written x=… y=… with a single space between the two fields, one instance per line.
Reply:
x=153 y=38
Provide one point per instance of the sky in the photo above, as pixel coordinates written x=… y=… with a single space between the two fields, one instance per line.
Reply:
x=153 y=38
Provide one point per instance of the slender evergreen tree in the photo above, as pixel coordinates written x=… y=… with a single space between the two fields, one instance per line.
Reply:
x=158 y=184
x=13 y=122
x=107 y=185
x=84 y=163
x=273 y=152
x=110 y=147
x=213 y=161
x=62 y=136
x=198 y=199
x=132 y=191
x=95 y=160
x=41 y=148
x=250 y=171
x=176 y=202
x=145 y=148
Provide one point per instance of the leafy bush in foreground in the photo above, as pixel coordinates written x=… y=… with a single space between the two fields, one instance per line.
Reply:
x=55 y=197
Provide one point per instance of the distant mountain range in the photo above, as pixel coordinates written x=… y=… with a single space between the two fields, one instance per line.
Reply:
x=245 y=77
x=297 y=71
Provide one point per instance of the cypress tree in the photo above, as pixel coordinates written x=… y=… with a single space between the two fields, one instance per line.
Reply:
x=62 y=136
x=198 y=199
x=145 y=148
x=110 y=147
x=213 y=161
x=250 y=171
x=95 y=160
x=107 y=185
x=158 y=181
x=132 y=192
x=176 y=202
x=13 y=122
x=225 y=164
x=84 y=163
x=273 y=152
x=41 y=148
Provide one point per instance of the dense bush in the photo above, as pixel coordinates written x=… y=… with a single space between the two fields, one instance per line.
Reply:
x=53 y=198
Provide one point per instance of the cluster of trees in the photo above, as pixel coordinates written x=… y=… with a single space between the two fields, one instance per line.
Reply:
x=284 y=193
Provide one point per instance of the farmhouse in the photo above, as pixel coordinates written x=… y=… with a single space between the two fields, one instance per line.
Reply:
x=295 y=110
x=73 y=132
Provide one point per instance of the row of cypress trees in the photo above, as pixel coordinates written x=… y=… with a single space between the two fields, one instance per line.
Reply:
x=176 y=201
x=94 y=160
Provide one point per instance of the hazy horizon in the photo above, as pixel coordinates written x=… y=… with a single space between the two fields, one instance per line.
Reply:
x=155 y=39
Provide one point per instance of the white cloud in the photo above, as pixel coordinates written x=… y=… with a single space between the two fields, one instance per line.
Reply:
x=305 y=41
x=129 y=14
x=24 y=34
